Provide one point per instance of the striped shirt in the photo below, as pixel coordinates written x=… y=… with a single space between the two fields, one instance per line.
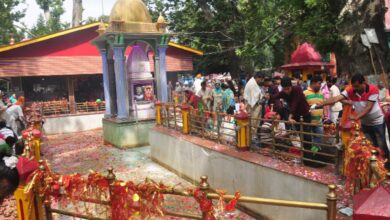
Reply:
x=314 y=98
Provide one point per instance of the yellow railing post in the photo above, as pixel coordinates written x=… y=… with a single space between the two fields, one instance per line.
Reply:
x=29 y=206
x=37 y=144
x=243 y=131
x=158 y=113
x=185 y=110
x=331 y=202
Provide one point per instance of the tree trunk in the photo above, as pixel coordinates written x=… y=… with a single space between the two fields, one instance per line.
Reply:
x=356 y=57
x=46 y=13
x=77 y=13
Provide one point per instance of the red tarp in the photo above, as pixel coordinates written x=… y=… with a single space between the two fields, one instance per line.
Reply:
x=373 y=204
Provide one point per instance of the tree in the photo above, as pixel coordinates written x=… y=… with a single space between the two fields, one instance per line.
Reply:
x=104 y=18
x=245 y=35
x=9 y=15
x=51 y=22
x=77 y=16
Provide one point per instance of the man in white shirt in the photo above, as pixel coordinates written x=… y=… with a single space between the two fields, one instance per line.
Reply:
x=14 y=113
x=253 y=96
x=334 y=92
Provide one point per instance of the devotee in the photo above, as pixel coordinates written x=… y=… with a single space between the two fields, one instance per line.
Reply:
x=365 y=99
x=3 y=107
x=216 y=95
x=267 y=127
x=253 y=97
x=326 y=93
x=276 y=82
x=336 y=108
x=196 y=86
x=314 y=96
x=298 y=107
x=9 y=177
x=170 y=89
x=227 y=98
x=205 y=94
x=195 y=101
x=14 y=114
x=12 y=99
x=178 y=87
x=383 y=93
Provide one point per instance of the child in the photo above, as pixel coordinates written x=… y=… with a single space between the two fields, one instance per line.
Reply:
x=279 y=128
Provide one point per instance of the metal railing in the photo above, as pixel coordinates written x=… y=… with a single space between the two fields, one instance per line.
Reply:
x=312 y=144
x=90 y=107
x=315 y=144
x=329 y=207
x=52 y=108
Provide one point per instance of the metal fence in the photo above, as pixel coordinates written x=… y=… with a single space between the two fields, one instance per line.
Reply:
x=329 y=207
x=312 y=144
x=316 y=145
x=52 y=108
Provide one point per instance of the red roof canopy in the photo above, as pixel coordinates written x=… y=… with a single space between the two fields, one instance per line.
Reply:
x=306 y=56
x=70 y=52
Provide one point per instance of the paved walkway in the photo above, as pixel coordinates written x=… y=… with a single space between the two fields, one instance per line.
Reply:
x=81 y=152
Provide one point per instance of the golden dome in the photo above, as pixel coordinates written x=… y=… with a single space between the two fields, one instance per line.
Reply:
x=130 y=11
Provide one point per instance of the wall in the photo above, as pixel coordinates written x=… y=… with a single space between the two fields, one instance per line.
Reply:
x=72 y=123
x=233 y=174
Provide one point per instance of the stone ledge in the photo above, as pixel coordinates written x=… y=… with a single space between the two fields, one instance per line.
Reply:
x=196 y=157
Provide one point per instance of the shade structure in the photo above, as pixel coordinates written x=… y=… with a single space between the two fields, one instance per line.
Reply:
x=305 y=56
x=372 y=204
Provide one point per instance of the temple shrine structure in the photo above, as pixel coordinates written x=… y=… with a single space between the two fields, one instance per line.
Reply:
x=306 y=61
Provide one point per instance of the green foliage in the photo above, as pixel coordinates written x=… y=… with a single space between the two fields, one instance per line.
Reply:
x=104 y=18
x=51 y=22
x=248 y=35
x=9 y=15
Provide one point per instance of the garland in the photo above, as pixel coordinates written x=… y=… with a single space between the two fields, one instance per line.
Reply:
x=127 y=200
x=357 y=163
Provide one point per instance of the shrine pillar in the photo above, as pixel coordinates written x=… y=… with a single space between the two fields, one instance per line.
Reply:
x=121 y=83
x=163 y=90
x=106 y=84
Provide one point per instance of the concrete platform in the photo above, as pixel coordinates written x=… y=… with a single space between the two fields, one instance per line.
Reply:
x=62 y=124
x=127 y=133
x=250 y=173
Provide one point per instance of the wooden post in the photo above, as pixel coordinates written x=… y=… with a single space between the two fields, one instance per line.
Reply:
x=243 y=132
x=158 y=113
x=185 y=110
x=332 y=202
x=71 y=96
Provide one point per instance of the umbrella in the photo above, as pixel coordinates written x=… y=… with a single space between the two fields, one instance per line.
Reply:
x=372 y=204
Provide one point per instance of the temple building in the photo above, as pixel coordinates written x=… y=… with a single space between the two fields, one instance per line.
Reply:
x=67 y=66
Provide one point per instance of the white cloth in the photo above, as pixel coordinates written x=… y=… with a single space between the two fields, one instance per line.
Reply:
x=3 y=113
x=383 y=94
x=197 y=85
x=335 y=91
x=14 y=113
x=252 y=92
x=334 y=116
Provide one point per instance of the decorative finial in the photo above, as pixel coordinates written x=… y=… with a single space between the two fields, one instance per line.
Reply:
x=102 y=27
x=204 y=184
x=161 y=24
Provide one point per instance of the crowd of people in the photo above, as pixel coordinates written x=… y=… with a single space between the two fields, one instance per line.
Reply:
x=318 y=101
